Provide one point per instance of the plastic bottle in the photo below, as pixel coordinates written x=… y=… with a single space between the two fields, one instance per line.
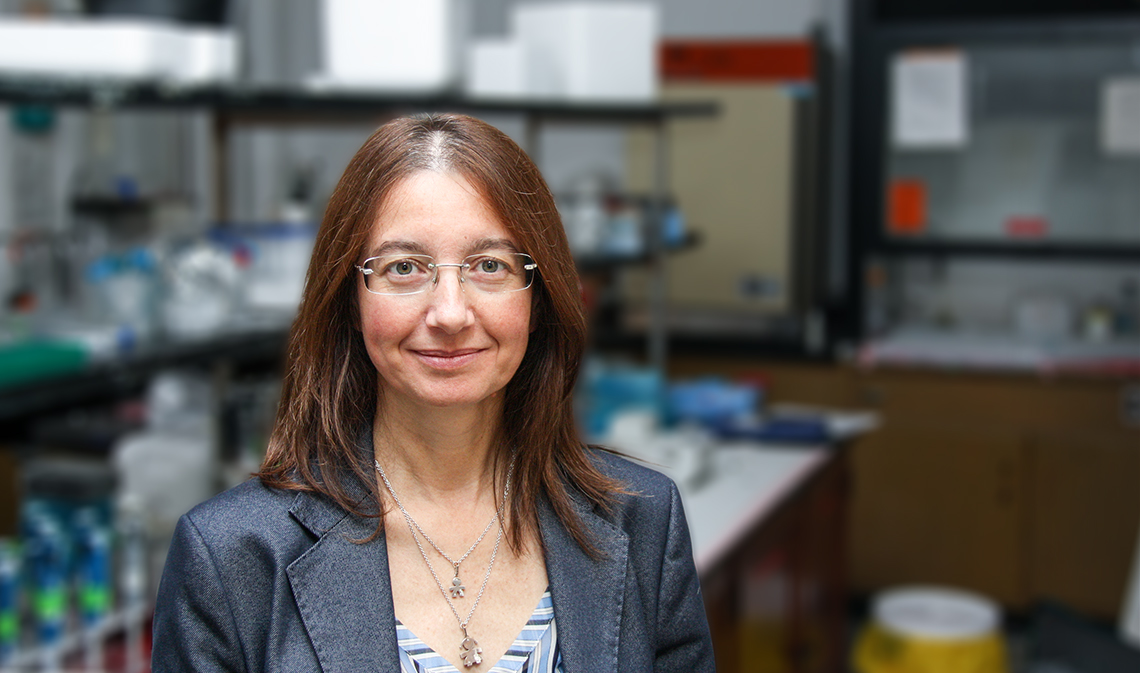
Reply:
x=132 y=576
x=46 y=549
x=9 y=602
x=93 y=572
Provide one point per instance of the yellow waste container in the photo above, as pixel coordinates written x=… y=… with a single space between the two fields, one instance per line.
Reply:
x=931 y=630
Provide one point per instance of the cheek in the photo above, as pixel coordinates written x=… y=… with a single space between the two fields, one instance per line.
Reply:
x=384 y=329
x=513 y=322
x=514 y=337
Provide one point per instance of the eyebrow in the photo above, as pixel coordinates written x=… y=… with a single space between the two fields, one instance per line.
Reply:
x=390 y=247
x=485 y=244
x=413 y=248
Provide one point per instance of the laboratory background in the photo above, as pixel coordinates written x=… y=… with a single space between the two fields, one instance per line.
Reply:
x=863 y=278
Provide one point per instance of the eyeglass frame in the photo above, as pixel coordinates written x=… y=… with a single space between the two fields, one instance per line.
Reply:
x=532 y=267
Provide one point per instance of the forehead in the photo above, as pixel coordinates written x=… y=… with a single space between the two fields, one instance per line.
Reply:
x=438 y=212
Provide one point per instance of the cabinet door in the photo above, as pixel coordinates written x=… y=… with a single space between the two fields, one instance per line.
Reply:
x=939 y=504
x=732 y=176
x=1085 y=514
x=820 y=600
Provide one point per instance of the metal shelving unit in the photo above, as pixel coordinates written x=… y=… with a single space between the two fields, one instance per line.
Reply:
x=238 y=106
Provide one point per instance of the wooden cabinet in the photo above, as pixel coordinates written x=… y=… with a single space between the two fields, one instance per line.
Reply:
x=1084 y=494
x=939 y=504
x=777 y=602
x=1020 y=486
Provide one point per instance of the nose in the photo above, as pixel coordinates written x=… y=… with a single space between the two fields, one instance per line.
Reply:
x=448 y=308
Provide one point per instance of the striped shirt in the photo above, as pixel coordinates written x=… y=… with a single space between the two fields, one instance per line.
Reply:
x=535 y=649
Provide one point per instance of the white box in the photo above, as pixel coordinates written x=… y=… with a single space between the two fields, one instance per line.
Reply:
x=590 y=51
x=117 y=49
x=210 y=56
x=495 y=69
x=392 y=44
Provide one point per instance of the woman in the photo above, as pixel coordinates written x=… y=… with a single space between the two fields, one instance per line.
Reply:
x=425 y=497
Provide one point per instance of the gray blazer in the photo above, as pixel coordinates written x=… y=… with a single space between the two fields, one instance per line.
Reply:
x=259 y=579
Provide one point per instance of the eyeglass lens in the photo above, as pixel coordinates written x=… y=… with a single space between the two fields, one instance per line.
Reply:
x=487 y=272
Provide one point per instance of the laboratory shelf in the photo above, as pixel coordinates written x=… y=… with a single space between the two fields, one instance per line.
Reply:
x=605 y=261
x=267 y=103
x=121 y=634
x=109 y=377
x=997 y=250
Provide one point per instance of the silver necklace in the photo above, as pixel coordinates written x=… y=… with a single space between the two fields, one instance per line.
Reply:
x=456 y=589
x=468 y=647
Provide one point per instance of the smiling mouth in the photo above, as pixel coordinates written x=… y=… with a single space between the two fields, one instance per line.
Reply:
x=448 y=359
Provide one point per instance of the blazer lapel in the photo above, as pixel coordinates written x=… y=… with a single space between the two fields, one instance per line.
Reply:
x=587 y=593
x=343 y=590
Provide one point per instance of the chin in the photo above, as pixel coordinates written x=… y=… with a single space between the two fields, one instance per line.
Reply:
x=444 y=397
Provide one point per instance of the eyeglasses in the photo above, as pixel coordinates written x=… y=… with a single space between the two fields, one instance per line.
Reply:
x=490 y=272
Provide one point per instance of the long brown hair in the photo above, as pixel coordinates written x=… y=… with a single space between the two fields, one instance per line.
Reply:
x=330 y=385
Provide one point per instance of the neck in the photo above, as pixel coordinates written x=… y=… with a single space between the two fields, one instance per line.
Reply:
x=439 y=453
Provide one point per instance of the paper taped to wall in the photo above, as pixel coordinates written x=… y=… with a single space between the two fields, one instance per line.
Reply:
x=1120 y=116
x=929 y=103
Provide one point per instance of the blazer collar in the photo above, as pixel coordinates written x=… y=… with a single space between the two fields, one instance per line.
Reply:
x=342 y=587
x=343 y=591
x=587 y=593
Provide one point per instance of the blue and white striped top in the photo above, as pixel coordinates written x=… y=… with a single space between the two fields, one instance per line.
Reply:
x=535 y=649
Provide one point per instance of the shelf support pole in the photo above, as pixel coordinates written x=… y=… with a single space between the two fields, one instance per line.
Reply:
x=221 y=129
x=658 y=289
x=532 y=132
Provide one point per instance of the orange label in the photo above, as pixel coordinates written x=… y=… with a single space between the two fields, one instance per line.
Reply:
x=906 y=207
x=1026 y=227
x=737 y=60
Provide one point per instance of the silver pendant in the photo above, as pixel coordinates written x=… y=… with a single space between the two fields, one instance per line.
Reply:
x=470 y=651
x=457 y=588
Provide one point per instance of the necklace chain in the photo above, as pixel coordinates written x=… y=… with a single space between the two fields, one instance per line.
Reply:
x=413 y=526
x=497 y=515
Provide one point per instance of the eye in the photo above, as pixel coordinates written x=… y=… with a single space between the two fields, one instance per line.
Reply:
x=404 y=267
x=491 y=265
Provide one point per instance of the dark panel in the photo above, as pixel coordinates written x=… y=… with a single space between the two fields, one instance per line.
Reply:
x=959 y=10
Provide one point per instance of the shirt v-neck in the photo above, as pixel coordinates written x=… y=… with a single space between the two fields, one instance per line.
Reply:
x=534 y=650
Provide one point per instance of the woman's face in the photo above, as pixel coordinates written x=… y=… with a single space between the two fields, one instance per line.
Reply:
x=452 y=344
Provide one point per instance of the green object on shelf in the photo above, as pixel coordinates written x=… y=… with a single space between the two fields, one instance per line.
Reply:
x=50 y=603
x=95 y=600
x=31 y=360
x=33 y=118
x=9 y=627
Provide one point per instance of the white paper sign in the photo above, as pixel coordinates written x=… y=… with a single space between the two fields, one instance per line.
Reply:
x=1120 y=116
x=929 y=107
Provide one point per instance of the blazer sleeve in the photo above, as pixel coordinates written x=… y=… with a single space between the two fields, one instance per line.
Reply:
x=194 y=626
x=684 y=642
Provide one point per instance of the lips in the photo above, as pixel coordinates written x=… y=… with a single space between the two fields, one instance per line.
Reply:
x=447 y=359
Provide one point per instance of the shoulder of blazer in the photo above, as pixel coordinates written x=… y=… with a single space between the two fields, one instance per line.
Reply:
x=651 y=496
x=253 y=518
x=645 y=485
